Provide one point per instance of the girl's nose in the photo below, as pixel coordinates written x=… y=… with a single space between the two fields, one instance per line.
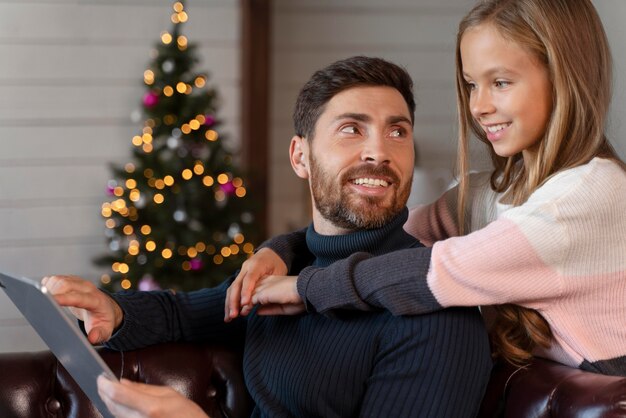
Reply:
x=481 y=103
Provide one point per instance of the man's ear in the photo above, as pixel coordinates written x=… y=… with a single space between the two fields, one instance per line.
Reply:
x=299 y=156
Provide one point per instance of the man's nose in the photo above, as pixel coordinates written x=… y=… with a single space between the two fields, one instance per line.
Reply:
x=481 y=103
x=376 y=150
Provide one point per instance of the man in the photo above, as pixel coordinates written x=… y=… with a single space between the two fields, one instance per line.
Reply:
x=354 y=144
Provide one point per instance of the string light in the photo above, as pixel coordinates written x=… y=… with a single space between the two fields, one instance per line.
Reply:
x=187 y=174
x=150 y=245
x=222 y=178
x=166 y=38
x=198 y=168
x=134 y=195
x=211 y=135
x=148 y=77
x=168 y=180
x=131 y=183
x=199 y=82
x=130 y=168
x=168 y=91
x=126 y=284
x=145 y=229
x=158 y=198
x=181 y=87
x=166 y=253
x=208 y=181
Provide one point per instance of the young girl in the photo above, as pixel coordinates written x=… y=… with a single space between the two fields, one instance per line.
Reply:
x=543 y=236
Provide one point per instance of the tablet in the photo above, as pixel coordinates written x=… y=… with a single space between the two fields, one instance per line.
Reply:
x=60 y=333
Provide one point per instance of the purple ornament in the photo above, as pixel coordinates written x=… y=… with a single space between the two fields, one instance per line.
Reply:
x=150 y=99
x=209 y=120
x=148 y=283
x=228 y=188
x=110 y=190
x=196 y=264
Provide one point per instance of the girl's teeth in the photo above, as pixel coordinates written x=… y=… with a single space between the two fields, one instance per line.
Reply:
x=496 y=128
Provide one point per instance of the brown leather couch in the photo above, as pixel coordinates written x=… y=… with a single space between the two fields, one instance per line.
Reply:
x=34 y=385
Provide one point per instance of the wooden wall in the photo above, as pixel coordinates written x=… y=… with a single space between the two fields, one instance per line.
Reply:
x=71 y=76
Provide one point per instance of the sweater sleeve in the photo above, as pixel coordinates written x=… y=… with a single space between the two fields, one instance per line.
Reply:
x=515 y=259
x=164 y=316
x=291 y=248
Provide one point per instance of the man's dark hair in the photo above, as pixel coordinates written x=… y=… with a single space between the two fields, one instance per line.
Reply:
x=342 y=75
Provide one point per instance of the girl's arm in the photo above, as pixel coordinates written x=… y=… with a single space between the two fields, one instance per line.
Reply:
x=512 y=260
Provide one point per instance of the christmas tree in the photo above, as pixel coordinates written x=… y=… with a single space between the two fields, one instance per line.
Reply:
x=178 y=215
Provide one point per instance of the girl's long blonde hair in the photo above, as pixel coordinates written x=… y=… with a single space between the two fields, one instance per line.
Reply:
x=568 y=38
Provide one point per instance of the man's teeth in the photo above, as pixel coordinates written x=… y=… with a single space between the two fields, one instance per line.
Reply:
x=371 y=182
x=496 y=128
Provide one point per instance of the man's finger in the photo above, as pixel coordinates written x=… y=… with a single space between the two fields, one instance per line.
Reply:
x=77 y=300
x=97 y=335
x=152 y=390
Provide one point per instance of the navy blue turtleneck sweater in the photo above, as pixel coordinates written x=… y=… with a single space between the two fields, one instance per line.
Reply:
x=355 y=364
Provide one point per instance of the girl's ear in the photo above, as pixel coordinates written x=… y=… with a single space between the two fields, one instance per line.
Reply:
x=299 y=156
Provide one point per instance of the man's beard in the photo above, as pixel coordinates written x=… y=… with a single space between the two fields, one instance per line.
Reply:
x=349 y=210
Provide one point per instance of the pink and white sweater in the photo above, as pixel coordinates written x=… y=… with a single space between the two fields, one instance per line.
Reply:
x=563 y=253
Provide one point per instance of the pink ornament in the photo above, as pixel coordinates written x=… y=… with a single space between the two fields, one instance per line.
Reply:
x=110 y=190
x=196 y=264
x=228 y=188
x=148 y=283
x=150 y=99
x=209 y=120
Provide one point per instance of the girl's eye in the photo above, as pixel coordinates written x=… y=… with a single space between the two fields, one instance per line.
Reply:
x=349 y=129
x=501 y=83
x=470 y=86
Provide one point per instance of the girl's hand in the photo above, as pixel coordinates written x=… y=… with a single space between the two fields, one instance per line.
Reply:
x=126 y=399
x=239 y=295
x=278 y=295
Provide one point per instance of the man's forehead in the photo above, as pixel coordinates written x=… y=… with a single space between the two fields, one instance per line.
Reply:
x=363 y=102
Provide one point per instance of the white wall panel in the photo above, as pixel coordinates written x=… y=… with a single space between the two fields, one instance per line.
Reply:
x=71 y=77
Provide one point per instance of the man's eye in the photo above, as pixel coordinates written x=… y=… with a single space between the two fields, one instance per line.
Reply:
x=397 y=133
x=350 y=129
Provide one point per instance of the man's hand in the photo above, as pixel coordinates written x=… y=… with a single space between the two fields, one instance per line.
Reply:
x=128 y=399
x=100 y=313
x=278 y=295
x=239 y=294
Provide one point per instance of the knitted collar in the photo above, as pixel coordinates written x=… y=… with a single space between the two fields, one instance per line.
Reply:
x=330 y=248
